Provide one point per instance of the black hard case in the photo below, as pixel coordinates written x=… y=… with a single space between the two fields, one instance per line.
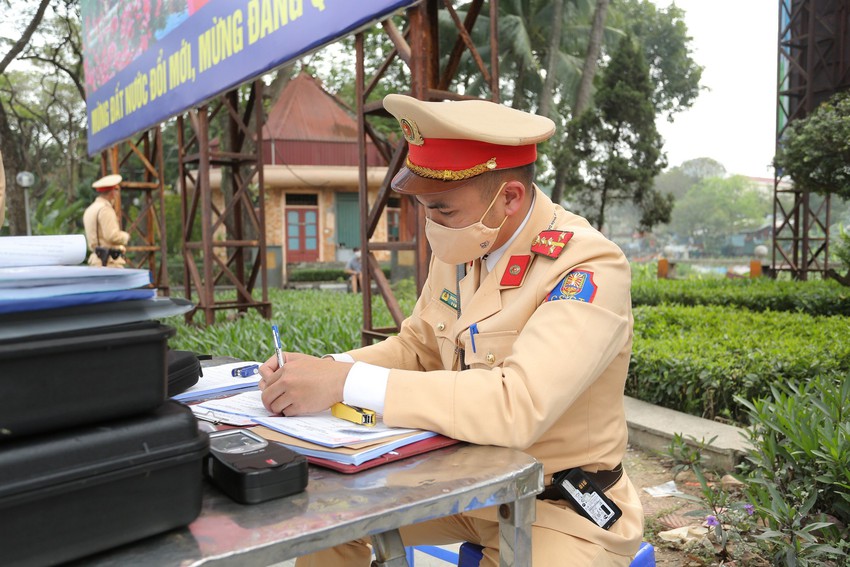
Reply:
x=71 y=494
x=54 y=381
x=184 y=370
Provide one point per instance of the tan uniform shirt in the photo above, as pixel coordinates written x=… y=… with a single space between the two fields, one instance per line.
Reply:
x=546 y=377
x=102 y=229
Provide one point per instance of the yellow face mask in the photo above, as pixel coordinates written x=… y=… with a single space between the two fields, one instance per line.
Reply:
x=461 y=245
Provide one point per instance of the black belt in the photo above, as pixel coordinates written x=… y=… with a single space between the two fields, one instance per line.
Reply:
x=603 y=479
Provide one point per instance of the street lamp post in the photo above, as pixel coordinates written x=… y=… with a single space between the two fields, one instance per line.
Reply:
x=26 y=179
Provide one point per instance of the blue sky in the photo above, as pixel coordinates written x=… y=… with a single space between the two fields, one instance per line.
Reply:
x=735 y=121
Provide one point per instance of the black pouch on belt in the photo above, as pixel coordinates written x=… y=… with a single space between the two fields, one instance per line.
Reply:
x=586 y=498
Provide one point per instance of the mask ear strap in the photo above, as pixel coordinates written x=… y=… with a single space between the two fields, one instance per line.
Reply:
x=493 y=202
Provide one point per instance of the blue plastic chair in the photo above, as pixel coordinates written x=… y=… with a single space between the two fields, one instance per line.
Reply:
x=470 y=555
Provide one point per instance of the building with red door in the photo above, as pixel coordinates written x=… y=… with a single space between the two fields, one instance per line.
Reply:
x=310 y=161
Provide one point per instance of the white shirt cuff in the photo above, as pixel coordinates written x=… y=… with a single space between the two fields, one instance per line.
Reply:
x=366 y=386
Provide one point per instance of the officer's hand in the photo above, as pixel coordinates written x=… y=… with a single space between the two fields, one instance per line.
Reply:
x=306 y=384
x=269 y=369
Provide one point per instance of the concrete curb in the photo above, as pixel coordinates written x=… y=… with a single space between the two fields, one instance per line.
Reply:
x=652 y=428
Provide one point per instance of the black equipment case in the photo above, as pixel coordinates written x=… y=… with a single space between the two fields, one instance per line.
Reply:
x=71 y=494
x=184 y=370
x=49 y=382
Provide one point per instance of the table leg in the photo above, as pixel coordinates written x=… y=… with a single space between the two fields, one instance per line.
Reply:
x=389 y=550
x=515 y=520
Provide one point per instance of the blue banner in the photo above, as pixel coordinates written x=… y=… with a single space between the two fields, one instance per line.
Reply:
x=148 y=60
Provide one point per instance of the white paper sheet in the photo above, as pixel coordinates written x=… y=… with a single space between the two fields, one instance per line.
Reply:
x=49 y=250
x=325 y=429
x=219 y=380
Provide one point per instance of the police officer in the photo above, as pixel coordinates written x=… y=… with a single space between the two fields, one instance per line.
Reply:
x=521 y=337
x=105 y=238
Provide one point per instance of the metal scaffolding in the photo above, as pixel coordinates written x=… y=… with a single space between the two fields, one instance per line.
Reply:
x=417 y=46
x=232 y=245
x=814 y=50
x=141 y=164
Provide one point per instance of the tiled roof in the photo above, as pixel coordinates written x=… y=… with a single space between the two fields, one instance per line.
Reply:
x=305 y=111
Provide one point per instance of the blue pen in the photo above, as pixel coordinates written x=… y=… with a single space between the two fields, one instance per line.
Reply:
x=473 y=330
x=278 y=349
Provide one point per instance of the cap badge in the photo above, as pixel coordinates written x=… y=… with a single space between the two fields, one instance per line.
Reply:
x=411 y=132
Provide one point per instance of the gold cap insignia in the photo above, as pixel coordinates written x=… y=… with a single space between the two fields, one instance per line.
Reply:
x=411 y=132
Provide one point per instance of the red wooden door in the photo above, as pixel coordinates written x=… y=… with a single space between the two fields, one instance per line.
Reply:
x=302 y=234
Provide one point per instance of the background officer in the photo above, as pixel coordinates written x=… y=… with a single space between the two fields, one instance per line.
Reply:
x=105 y=238
x=520 y=338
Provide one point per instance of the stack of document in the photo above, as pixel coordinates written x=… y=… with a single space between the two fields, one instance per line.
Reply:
x=319 y=435
x=44 y=272
x=44 y=288
x=217 y=381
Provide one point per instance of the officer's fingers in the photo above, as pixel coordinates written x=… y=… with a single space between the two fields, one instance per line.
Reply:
x=268 y=373
x=281 y=407
x=274 y=398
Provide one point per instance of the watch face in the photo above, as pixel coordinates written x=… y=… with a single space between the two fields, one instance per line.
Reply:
x=236 y=442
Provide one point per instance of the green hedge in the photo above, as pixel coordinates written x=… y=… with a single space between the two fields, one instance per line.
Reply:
x=323 y=274
x=820 y=297
x=696 y=359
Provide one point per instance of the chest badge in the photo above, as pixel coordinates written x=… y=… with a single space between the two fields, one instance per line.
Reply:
x=550 y=242
x=449 y=298
x=516 y=270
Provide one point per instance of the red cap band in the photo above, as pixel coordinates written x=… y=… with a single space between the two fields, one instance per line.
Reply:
x=457 y=155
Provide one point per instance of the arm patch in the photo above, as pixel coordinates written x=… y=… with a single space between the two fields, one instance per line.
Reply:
x=577 y=285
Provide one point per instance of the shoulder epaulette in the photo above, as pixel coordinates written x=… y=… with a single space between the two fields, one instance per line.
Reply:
x=550 y=242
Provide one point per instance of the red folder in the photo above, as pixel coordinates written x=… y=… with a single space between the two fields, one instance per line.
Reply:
x=429 y=444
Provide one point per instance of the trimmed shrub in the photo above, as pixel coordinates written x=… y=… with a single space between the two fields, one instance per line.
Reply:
x=820 y=297
x=697 y=359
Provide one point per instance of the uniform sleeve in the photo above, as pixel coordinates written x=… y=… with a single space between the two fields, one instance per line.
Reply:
x=112 y=233
x=413 y=348
x=563 y=348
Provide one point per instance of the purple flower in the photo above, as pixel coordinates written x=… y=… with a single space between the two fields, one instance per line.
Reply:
x=711 y=521
x=750 y=509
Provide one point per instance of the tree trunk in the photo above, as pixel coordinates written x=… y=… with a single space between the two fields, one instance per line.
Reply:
x=588 y=72
x=13 y=162
x=843 y=280
x=518 y=101
x=13 y=154
x=591 y=61
x=554 y=50
x=25 y=38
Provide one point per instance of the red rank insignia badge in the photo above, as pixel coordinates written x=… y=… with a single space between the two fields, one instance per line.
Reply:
x=517 y=266
x=550 y=242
